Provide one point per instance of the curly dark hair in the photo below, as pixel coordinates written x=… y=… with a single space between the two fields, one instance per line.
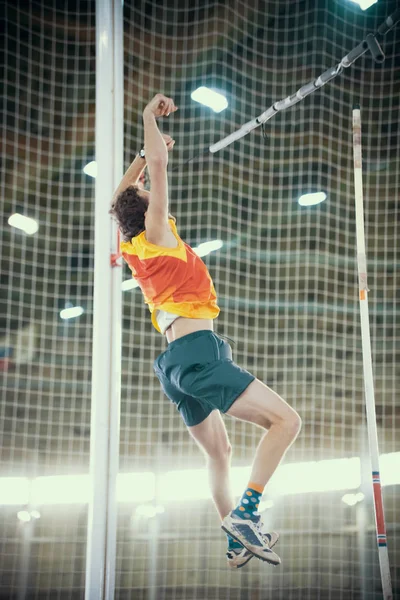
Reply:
x=128 y=210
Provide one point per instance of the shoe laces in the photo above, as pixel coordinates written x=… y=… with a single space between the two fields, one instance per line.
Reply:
x=259 y=525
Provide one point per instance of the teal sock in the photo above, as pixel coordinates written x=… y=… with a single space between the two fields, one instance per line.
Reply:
x=249 y=502
x=233 y=544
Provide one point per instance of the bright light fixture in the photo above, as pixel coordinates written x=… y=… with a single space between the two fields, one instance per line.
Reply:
x=207 y=247
x=312 y=199
x=295 y=478
x=318 y=476
x=24 y=516
x=149 y=510
x=72 y=489
x=91 y=169
x=129 y=284
x=364 y=4
x=211 y=98
x=390 y=468
x=60 y=489
x=26 y=224
x=136 y=487
x=353 y=499
x=196 y=485
x=71 y=312
x=15 y=490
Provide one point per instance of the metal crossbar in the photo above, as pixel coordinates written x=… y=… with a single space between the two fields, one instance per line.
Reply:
x=370 y=43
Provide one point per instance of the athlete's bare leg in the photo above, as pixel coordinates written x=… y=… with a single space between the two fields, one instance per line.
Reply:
x=212 y=438
x=260 y=405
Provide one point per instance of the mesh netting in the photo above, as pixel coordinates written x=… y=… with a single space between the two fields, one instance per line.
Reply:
x=286 y=279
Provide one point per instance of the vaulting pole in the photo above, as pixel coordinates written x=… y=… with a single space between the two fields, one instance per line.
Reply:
x=367 y=361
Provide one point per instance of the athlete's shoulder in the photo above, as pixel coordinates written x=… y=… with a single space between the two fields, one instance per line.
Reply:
x=132 y=246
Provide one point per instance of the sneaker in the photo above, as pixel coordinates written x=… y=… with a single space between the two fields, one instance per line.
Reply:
x=239 y=557
x=249 y=534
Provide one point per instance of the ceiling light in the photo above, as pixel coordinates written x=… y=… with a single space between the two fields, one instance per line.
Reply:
x=364 y=4
x=353 y=499
x=312 y=199
x=210 y=98
x=207 y=247
x=24 y=516
x=26 y=224
x=71 y=312
x=91 y=169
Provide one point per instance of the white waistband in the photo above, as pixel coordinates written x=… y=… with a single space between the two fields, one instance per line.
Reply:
x=164 y=319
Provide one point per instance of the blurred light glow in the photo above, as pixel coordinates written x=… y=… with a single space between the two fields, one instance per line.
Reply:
x=72 y=489
x=210 y=98
x=60 y=489
x=14 y=490
x=129 y=284
x=265 y=504
x=24 y=516
x=296 y=478
x=364 y=4
x=207 y=247
x=390 y=468
x=321 y=476
x=136 y=487
x=312 y=199
x=71 y=312
x=149 y=510
x=353 y=499
x=26 y=224
x=91 y=169
x=195 y=488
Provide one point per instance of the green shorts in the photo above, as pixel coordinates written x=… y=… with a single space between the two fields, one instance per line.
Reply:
x=197 y=374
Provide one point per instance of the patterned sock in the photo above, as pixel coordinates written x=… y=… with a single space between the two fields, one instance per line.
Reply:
x=233 y=544
x=249 y=502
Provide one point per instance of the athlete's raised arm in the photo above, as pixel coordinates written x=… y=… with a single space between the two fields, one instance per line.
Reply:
x=153 y=146
x=135 y=209
x=157 y=160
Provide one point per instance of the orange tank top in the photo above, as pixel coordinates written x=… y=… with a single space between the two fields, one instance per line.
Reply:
x=172 y=279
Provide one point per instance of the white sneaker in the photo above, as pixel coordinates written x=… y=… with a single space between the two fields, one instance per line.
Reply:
x=249 y=534
x=238 y=557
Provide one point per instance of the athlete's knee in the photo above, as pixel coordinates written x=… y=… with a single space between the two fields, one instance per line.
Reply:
x=292 y=424
x=220 y=452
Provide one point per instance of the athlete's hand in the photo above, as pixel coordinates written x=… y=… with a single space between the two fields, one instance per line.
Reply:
x=160 y=106
x=169 y=142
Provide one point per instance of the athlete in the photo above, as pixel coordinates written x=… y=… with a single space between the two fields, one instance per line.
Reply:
x=196 y=371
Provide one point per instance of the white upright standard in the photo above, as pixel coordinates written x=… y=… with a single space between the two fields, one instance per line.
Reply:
x=106 y=359
x=367 y=361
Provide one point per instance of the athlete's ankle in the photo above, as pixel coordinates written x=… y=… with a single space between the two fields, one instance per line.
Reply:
x=249 y=502
x=233 y=544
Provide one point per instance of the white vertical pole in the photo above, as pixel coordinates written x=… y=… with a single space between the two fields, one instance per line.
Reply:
x=116 y=299
x=367 y=361
x=27 y=531
x=105 y=409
